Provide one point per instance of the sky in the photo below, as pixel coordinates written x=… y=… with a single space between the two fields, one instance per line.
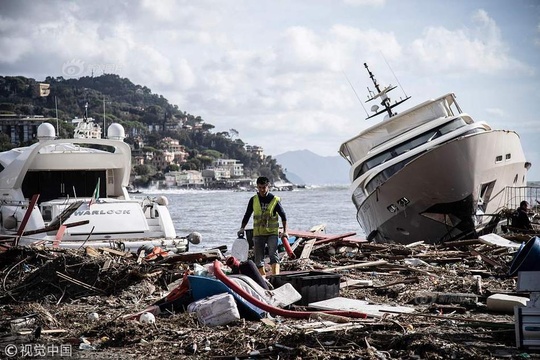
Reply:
x=289 y=74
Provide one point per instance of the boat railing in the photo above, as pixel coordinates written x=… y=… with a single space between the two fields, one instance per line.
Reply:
x=511 y=196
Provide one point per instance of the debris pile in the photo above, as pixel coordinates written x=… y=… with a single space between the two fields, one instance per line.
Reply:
x=422 y=302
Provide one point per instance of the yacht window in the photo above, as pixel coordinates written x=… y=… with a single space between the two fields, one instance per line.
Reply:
x=498 y=158
x=419 y=140
x=508 y=156
x=385 y=174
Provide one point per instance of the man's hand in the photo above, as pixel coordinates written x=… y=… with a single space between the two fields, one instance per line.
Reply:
x=240 y=233
x=284 y=235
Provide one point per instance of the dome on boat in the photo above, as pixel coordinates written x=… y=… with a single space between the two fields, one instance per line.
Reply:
x=116 y=131
x=46 y=131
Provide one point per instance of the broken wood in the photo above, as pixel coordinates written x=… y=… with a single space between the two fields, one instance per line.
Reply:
x=486 y=258
x=333 y=238
x=355 y=283
x=411 y=280
x=308 y=246
x=79 y=283
x=357 y=266
x=459 y=243
x=493 y=323
x=428 y=297
x=116 y=252
x=55 y=227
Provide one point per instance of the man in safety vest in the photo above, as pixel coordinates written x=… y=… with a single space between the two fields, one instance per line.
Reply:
x=265 y=208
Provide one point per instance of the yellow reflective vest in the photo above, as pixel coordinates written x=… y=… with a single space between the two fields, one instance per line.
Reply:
x=265 y=223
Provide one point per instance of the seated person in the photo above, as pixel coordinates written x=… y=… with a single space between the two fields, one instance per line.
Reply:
x=520 y=219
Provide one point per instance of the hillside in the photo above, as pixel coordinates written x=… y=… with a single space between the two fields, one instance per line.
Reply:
x=306 y=167
x=146 y=116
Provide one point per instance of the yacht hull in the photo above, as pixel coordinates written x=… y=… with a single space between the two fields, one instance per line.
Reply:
x=446 y=193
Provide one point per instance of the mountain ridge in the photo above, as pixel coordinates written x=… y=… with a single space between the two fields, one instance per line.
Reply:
x=304 y=167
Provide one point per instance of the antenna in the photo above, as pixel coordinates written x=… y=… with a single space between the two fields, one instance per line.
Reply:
x=352 y=87
x=395 y=77
x=383 y=95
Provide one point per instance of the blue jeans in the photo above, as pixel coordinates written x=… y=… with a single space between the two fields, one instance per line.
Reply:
x=259 y=244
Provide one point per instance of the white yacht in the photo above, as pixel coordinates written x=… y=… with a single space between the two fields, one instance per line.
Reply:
x=430 y=173
x=77 y=190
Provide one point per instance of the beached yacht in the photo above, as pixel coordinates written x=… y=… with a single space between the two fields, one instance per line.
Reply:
x=77 y=190
x=430 y=173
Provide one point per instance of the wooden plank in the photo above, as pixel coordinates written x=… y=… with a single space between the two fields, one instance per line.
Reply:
x=306 y=234
x=494 y=239
x=458 y=243
x=354 y=283
x=346 y=304
x=357 y=266
x=333 y=238
x=116 y=252
x=349 y=237
x=59 y=236
x=55 y=227
x=308 y=246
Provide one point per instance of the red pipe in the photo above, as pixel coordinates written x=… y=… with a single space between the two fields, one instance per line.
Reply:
x=272 y=309
x=288 y=248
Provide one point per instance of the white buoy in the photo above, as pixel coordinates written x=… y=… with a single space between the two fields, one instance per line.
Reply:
x=147 y=318
x=162 y=200
x=93 y=316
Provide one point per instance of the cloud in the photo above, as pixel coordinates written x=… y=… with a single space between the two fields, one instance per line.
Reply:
x=13 y=49
x=279 y=72
x=537 y=37
x=476 y=49
x=496 y=112
x=365 y=2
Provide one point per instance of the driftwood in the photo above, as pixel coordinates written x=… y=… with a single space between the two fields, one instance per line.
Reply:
x=357 y=266
x=454 y=318
x=79 y=283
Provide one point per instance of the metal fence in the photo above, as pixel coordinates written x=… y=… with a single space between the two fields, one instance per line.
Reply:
x=514 y=195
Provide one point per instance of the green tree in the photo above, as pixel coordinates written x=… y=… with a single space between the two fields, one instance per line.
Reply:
x=5 y=142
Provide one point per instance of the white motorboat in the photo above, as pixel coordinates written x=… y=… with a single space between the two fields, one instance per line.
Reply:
x=80 y=190
x=430 y=173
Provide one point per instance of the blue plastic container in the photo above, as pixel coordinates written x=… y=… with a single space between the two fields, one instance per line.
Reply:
x=527 y=257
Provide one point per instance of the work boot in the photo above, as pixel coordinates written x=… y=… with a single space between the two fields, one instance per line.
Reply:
x=275 y=269
x=262 y=271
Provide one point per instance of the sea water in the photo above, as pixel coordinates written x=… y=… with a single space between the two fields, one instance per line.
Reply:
x=217 y=214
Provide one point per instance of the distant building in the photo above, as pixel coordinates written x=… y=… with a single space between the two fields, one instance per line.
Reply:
x=22 y=129
x=215 y=174
x=179 y=151
x=162 y=159
x=185 y=178
x=155 y=127
x=234 y=167
x=257 y=150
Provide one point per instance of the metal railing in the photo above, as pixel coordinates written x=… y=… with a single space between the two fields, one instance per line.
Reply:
x=512 y=196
